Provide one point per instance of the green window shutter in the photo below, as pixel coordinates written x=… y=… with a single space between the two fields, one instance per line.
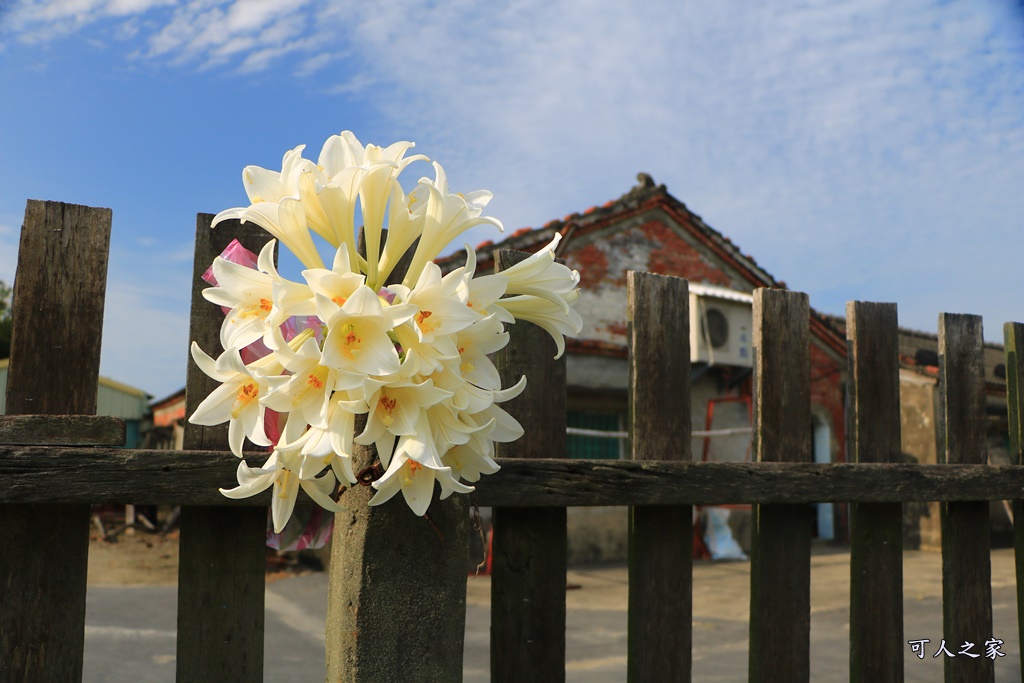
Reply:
x=594 y=447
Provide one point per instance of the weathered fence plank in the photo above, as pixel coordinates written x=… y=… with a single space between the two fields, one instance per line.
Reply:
x=55 y=358
x=529 y=564
x=1013 y=338
x=397 y=596
x=221 y=552
x=61 y=430
x=780 y=568
x=876 y=529
x=966 y=561
x=660 y=537
x=34 y=474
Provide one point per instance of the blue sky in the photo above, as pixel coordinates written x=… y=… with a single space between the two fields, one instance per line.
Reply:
x=858 y=149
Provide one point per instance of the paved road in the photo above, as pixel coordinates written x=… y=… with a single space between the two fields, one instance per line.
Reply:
x=130 y=631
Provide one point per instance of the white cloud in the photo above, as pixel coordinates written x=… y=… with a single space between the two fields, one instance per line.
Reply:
x=315 y=63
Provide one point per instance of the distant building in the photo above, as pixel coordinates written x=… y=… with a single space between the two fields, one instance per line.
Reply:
x=168 y=428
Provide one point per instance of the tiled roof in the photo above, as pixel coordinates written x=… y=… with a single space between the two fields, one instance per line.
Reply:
x=642 y=197
x=645 y=196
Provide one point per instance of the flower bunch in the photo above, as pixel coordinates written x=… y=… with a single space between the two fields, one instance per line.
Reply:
x=411 y=355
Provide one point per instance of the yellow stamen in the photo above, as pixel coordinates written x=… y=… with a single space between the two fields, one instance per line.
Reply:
x=282 y=487
x=350 y=341
x=245 y=396
x=411 y=471
x=388 y=405
x=421 y=320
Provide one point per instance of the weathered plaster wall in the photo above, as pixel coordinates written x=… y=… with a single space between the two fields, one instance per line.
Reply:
x=604 y=257
x=919 y=442
x=596 y=372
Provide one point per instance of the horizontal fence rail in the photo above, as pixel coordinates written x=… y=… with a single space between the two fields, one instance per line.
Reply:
x=34 y=474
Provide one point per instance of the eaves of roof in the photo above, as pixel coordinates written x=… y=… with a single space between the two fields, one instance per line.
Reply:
x=645 y=197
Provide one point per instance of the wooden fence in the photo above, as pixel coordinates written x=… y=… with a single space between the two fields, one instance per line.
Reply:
x=54 y=464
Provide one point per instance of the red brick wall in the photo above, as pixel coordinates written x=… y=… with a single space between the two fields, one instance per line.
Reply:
x=826 y=374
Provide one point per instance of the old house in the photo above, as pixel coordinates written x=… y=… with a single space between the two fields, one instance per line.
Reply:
x=648 y=229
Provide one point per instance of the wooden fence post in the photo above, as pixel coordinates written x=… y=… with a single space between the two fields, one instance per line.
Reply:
x=55 y=357
x=966 y=551
x=1013 y=337
x=222 y=550
x=660 y=537
x=397 y=589
x=780 y=570
x=876 y=529
x=396 y=606
x=529 y=564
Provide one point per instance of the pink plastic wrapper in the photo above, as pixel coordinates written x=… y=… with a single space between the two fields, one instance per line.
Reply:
x=235 y=253
x=308 y=527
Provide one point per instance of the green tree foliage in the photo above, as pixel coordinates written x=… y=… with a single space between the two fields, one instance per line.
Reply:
x=5 y=320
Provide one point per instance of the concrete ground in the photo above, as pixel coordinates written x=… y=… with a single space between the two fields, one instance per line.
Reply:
x=130 y=631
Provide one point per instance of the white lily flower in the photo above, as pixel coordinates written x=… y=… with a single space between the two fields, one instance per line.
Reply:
x=346 y=164
x=374 y=193
x=466 y=397
x=476 y=343
x=395 y=411
x=262 y=185
x=546 y=314
x=344 y=151
x=281 y=472
x=251 y=294
x=236 y=400
x=470 y=461
x=304 y=394
x=542 y=276
x=332 y=288
x=479 y=293
x=441 y=314
x=357 y=340
x=404 y=228
x=446 y=216
x=413 y=469
x=285 y=220
x=414 y=357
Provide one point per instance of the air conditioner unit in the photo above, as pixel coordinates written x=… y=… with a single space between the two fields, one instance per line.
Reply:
x=721 y=326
